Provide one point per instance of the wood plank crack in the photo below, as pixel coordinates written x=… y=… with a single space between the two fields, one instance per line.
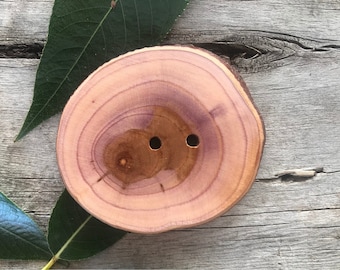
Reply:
x=295 y=175
x=28 y=51
x=254 y=51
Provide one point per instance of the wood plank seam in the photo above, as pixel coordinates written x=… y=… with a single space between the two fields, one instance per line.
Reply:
x=28 y=51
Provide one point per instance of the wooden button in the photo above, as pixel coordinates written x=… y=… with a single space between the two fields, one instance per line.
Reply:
x=160 y=138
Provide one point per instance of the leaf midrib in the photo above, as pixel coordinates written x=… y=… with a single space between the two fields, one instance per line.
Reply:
x=23 y=131
x=25 y=240
x=57 y=256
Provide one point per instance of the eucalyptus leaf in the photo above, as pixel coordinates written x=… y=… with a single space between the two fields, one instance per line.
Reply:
x=20 y=236
x=74 y=234
x=83 y=34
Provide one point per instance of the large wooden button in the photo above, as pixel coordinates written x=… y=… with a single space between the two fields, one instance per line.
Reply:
x=160 y=138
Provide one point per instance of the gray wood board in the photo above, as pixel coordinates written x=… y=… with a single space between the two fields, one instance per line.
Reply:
x=288 y=54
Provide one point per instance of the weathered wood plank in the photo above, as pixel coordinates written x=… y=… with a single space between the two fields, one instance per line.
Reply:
x=34 y=181
x=21 y=168
x=288 y=54
x=278 y=225
x=25 y=22
x=311 y=19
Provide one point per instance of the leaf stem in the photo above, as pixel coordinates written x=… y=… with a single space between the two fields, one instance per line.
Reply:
x=56 y=257
x=50 y=263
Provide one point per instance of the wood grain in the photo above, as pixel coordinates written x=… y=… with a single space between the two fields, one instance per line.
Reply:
x=169 y=93
x=288 y=54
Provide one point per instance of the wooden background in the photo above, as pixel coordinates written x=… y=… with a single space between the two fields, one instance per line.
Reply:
x=288 y=52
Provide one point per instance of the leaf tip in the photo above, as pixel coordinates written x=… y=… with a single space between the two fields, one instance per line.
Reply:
x=23 y=131
x=19 y=136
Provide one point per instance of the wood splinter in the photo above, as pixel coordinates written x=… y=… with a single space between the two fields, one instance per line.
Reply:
x=304 y=172
x=172 y=134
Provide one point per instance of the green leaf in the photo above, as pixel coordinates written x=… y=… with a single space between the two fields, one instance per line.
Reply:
x=74 y=234
x=20 y=236
x=83 y=34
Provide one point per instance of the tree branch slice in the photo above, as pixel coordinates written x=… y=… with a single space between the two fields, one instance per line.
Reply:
x=160 y=138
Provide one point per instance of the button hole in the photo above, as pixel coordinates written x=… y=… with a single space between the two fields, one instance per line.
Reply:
x=193 y=141
x=155 y=143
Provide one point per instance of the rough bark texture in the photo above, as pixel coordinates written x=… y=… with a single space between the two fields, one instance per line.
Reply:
x=288 y=54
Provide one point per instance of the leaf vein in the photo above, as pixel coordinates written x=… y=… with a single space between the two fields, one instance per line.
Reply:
x=138 y=23
x=124 y=22
x=24 y=240
x=69 y=72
